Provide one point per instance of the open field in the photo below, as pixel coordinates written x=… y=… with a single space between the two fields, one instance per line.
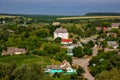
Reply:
x=90 y=17
x=27 y=59
x=2 y=16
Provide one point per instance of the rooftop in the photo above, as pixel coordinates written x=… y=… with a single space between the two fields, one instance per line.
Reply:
x=115 y=24
x=66 y=40
x=61 y=30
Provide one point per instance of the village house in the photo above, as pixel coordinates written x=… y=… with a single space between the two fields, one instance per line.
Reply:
x=56 y=23
x=61 y=32
x=99 y=28
x=113 y=44
x=115 y=25
x=108 y=50
x=107 y=28
x=65 y=66
x=14 y=50
x=112 y=34
x=70 y=48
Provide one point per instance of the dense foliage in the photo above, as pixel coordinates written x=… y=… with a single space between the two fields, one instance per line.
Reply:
x=108 y=75
x=25 y=72
x=103 y=61
x=102 y=14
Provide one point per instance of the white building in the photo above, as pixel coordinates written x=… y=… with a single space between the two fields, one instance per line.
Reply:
x=116 y=25
x=113 y=44
x=61 y=32
x=56 y=23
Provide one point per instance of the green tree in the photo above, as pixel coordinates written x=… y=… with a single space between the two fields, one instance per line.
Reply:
x=87 y=51
x=6 y=70
x=80 y=70
x=38 y=52
x=0 y=49
x=51 y=49
x=108 y=75
x=58 y=40
x=78 y=51
x=115 y=60
x=90 y=44
x=42 y=33
x=106 y=24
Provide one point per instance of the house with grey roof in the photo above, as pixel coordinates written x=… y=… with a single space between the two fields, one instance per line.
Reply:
x=61 y=32
x=115 y=25
x=14 y=50
x=113 y=44
x=111 y=34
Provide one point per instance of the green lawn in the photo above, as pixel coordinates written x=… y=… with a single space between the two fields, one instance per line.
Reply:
x=26 y=59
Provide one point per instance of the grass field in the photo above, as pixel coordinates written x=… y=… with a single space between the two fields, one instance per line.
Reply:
x=27 y=59
x=90 y=17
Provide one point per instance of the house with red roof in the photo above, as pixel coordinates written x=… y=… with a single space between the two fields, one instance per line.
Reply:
x=66 y=41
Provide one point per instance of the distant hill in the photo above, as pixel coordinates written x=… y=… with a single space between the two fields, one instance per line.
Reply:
x=102 y=14
x=31 y=15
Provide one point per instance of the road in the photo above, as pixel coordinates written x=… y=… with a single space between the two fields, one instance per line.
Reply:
x=84 y=63
x=86 y=40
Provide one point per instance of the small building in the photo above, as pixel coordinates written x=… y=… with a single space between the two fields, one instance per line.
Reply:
x=56 y=23
x=115 y=25
x=70 y=70
x=108 y=50
x=66 y=41
x=98 y=28
x=107 y=28
x=14 y=50
x=70 y=48
x=112 y=34
x=61 y=32
x=70 y=53
x=113 y=44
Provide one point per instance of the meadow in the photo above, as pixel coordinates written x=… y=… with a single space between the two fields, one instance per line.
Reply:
x=27 y=59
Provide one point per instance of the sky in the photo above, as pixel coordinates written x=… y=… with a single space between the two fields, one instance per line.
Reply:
x=58 y=7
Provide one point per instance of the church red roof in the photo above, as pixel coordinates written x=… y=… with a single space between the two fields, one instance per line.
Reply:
x=66 y=40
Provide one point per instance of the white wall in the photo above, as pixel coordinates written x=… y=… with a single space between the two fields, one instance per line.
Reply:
x=61 y=35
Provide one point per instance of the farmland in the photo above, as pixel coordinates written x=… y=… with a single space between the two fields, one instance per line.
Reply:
x=90 y=17
x=4 y=16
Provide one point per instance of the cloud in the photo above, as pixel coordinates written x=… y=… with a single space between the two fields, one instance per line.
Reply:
x=66 y=1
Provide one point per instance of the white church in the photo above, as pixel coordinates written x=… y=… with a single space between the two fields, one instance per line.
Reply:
x=61 y=32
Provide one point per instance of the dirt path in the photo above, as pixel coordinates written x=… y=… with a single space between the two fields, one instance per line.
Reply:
x=84 y=63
